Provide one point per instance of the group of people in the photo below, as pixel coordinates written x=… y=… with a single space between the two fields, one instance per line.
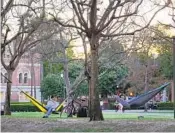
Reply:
x=53 y=103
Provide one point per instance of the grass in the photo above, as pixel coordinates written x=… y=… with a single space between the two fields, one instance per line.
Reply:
x=107 y=115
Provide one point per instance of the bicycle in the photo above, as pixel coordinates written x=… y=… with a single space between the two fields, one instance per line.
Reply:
x=74 y=107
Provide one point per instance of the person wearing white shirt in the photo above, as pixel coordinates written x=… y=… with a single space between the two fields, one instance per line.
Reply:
x=51 y=106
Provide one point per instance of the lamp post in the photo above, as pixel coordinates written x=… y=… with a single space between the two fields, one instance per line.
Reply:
x=174 y=71
x=64 y=89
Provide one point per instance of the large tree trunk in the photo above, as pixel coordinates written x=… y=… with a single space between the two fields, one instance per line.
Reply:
x=7 y=110
x=95 y=112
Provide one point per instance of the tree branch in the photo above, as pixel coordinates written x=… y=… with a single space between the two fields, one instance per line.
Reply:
x=7 y=8
x=66 y=25
x=132 y=33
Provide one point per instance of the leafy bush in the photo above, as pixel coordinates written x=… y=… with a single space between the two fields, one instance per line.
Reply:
x=165 y=106
x=23 y=107
x=52 y=84
x=112 y=105
x=21 y=103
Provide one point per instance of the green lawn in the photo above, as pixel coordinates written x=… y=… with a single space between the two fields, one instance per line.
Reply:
x=107 y=115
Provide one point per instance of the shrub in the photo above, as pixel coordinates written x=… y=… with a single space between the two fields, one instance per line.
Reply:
x=23 y=107
x=165 y=106
x=112 y=105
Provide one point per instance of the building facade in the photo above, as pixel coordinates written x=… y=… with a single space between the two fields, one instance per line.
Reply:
x=27 y=77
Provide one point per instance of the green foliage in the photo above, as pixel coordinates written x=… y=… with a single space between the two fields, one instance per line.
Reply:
x=112 y=105
x=52 y=84
x=70 y=52
x=165 y=50
x=54 y=68
x=23 y=107
x=143 y=57
x=74 y=70
x=165 y=106
x=109 y=80
x=166 y=62
x=21 y=103
x=51 y=68
x=82 y=89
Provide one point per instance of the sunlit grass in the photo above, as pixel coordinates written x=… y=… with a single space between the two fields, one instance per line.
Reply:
x=107 y=115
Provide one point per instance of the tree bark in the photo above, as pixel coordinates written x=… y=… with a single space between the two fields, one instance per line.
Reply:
x=146 y=79
x=95 y=112
x=7 y=110
x=146 y=87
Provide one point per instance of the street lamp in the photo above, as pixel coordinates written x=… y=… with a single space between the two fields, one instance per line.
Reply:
x=64 y=88
x=174 y=71
x=131 y=94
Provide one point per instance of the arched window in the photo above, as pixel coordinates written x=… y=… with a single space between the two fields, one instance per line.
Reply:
x=20 y=78
x=25 y=78
x=6 y=76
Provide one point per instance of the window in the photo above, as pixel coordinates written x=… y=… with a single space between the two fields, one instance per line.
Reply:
x=25 y=78
x=20 y=78
x=6 y=76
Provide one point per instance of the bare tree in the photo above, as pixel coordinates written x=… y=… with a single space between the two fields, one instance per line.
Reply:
x=55 y=51
x=22 y=22
x=117 y=16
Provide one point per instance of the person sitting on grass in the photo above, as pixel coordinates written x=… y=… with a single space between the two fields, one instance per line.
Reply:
x=51 y=106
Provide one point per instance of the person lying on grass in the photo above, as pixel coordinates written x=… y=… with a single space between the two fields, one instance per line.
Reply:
x=51 y=106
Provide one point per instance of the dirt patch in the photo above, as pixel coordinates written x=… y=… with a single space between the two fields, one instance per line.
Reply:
x=48 y=125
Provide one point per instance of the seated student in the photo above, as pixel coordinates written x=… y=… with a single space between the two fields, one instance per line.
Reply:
x=51 y=106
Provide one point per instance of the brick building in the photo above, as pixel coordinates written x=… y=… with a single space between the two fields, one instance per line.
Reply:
x=22 y=78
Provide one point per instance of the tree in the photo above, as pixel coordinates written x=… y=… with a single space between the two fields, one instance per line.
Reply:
x=60 y=54
x=114 y=21
x=110 y=80
x=20 y=36
x=166 y=63
x=75 y=68
x=164 y=49
x=146 y=65
x=52 y=84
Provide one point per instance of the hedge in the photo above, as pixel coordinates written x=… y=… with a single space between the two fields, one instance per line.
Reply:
x=23 y=107
x=165 y=106
x=160 y=106
x=29 y=107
